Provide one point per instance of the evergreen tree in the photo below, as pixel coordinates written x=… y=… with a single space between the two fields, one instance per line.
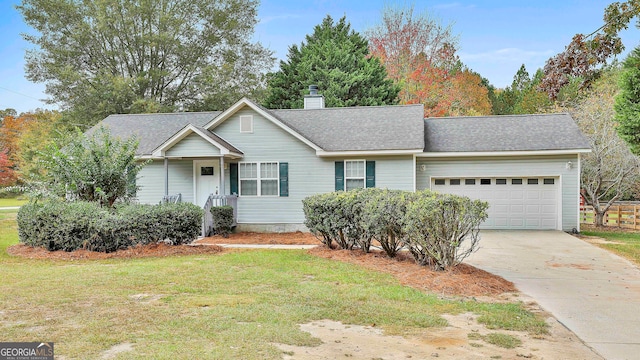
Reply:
x=336 y=59
x=627 y=105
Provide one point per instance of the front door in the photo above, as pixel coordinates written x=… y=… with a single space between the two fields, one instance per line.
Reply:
x=207 y=179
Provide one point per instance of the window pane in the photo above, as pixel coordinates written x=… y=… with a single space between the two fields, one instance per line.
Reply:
x=355 y=184
x=469 y=181
x=485 y=181
x=269 y=170
x=501 y=181
x=269 y=187
x=516 y=181
x=549 y=181
x=248 y=170
x=439 y=181
x=532 y=181
x=454 y=182
x=248 y=187
x=354 y=168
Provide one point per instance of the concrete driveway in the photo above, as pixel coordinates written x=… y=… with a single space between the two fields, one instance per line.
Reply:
x=592 y=292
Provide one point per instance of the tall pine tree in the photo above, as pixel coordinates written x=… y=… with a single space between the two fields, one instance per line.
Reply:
x=336 y=59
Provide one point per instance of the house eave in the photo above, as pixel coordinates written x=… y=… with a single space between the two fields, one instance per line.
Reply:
x=324 y=153
x=501 y=153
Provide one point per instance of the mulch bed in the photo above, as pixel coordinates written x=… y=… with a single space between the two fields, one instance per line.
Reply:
x=463 y=280
x=292 y=238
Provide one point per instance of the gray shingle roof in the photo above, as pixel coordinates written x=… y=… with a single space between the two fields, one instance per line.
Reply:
x=358 y=128
x=503 y=133
x=152 y=130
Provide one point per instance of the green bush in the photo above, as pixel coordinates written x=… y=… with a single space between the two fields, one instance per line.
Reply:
x=437 y=225
x=69 y=226
x=58 y=225
x=337 y=217
x=432 y=226
x=222 y=220
x=382 y=217
x=323 y=217
x=352 y=204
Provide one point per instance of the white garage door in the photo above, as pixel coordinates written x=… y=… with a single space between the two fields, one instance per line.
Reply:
x=514 y=203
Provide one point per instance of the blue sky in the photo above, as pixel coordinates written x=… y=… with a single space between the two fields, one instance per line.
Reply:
x=495 y=37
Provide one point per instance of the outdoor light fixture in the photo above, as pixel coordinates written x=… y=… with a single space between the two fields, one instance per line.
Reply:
x=569 y=165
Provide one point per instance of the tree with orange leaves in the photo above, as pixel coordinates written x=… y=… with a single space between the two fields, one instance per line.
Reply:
x=10 y=132
x=7 y=173
x=420 y=55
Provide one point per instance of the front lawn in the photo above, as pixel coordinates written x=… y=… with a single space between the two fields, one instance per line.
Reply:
x=227 y=306
x=623 y=243
x=11 y=202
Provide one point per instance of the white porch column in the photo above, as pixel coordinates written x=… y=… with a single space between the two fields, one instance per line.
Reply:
x=222 y=175
x=166 y=177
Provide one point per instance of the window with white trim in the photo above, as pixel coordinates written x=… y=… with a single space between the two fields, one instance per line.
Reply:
x=258 y=179
x=354 y=174
x=246 y=123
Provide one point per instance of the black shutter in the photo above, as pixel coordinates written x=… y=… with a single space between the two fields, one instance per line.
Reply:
x=284 y=179
x=233 y=177
x=339 y=175
x=371 y=174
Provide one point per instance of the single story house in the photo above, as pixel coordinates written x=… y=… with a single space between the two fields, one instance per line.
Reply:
x=526 y=166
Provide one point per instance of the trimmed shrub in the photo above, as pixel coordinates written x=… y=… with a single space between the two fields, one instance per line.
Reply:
x=222 y=220
x=57 y=225
x=352 y=204
x=337 y=217
x=437 y=225
x=323 y=217
x=382 y=216
x=69 y=226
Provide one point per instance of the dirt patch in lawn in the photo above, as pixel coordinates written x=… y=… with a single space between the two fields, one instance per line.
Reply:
x=462 y=339
x=151 y=250
x=462 y=280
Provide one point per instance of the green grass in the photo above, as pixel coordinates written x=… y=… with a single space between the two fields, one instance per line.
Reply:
x=501 y=340
x=12 y=202
x=625 y=244
x=227 y=306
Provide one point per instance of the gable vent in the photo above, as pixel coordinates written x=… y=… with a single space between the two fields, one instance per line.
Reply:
x=246 y=123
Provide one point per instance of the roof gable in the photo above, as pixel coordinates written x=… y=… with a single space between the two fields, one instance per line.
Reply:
x=267 y=114
x=223 y=147
x=504 y=133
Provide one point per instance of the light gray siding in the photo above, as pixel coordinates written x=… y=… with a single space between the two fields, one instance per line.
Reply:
x=308 y=174
x=552 y=166
x=193 y=145
x=151 y=181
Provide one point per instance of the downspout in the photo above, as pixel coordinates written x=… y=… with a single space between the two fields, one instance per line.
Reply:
x=166 y=176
